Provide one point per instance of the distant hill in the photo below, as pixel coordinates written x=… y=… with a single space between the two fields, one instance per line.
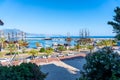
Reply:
x=10 y=31
x=6 y=31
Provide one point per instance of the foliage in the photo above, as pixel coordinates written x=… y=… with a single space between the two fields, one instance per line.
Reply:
x=24 y=71
x=42 y=50
x=72 y=49
x=22 y=43
x=116 y=23
x=78 y=46
x=11 y=47
x=61 y=48
x=1 y=54
x=84 y=41
x=2 y=40
x=107 y=43
x=49 y=51
x=33 y=52
x=90 y=47
x=4 y=45
x=102 y=65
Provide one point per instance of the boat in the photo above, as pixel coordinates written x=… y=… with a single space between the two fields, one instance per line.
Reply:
x=47 y=39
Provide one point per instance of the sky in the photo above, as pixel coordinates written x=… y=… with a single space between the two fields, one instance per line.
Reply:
x=59 y=16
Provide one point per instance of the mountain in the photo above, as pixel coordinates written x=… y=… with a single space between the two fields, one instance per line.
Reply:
x=6 y=31
x=17 y=31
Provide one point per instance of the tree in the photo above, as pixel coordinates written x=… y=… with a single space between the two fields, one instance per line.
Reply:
x=42 y=50
x=33 y=52
x=90 y=47
x=78 y=47
x=49 y=51
x=116 y=23
x=22 y=45
x=61 y=48
x=2 y=40
x=102 y=65
x=11 y=48
x=24 y=71
x=107 y=43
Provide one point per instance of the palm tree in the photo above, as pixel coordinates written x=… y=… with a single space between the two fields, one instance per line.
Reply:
x=11 y=47
x=33 y=52
x=49 y=51
x=90 y=47
x=106 y=43
x=78 y=47
x=22 y=45
x=2 y=40
x=61 y=48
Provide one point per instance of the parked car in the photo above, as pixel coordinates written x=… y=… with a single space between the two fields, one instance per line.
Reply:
x=44 y=57
x=60 y=55
x=70 y=54
x=4 y=59
x=31 y=57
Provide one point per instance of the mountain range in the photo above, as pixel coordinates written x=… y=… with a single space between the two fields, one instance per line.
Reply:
x=17 y=31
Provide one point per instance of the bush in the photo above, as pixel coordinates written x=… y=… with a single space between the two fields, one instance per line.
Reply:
x=72 y=49
x=49 y=51
x=11 y=53
x=61 y=48
x=25 y=71
x=42 y=50
x=102 y=65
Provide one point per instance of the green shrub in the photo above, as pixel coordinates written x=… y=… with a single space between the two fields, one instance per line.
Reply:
x=25 y=71
x=102 y=65
x=49 y=51
x=72 y=49
x=42 y=50
x=61 y=48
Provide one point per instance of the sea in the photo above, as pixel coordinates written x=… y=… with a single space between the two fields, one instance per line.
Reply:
x=58 y=40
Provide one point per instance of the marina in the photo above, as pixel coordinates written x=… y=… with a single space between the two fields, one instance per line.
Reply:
x=60 y=40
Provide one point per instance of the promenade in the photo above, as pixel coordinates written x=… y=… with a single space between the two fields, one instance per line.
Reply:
x=41 y=61
x=58 y=68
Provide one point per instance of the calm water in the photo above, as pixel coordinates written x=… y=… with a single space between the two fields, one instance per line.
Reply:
x=58 y=40
x=48 y=43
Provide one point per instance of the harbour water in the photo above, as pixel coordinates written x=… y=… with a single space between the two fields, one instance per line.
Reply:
x=58 y=40
x=48 y=43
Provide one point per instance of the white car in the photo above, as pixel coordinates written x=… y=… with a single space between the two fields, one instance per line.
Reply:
x=44 y=57
x=4 y=60
x=70 y=54
x=60 y=55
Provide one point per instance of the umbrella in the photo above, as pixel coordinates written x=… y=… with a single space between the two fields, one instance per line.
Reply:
x=1 y=23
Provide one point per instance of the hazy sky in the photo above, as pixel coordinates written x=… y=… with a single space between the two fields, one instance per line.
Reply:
x=58 y=16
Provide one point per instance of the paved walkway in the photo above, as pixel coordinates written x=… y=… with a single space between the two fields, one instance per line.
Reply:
x=41 y=61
